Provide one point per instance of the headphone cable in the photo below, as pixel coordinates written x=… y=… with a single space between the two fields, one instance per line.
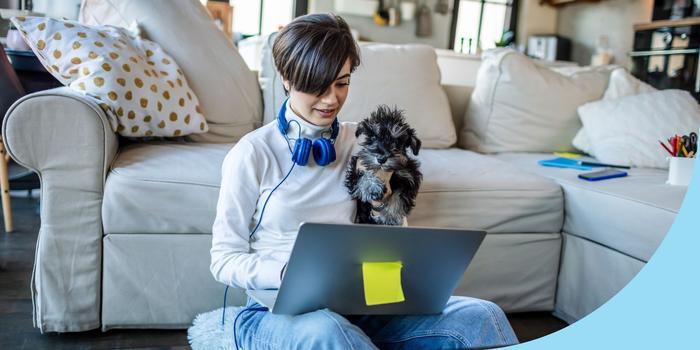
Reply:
x=262 y=212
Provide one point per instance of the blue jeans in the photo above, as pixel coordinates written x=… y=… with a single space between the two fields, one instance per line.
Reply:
x=466 y=323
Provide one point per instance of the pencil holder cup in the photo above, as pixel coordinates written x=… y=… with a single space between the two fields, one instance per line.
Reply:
x=680 y=170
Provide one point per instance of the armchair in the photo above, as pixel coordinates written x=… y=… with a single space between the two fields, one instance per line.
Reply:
x=68 y=141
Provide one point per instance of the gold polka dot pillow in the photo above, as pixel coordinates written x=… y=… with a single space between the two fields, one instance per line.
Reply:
x=138 y=85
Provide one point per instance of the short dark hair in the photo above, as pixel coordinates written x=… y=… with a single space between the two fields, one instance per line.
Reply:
x=310 y=51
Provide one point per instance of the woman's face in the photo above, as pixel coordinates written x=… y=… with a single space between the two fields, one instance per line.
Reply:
x=321 y=110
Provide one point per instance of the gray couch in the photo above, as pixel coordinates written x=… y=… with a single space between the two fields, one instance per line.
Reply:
x=126 y=227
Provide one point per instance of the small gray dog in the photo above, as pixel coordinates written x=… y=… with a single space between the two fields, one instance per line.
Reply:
x=382 y=178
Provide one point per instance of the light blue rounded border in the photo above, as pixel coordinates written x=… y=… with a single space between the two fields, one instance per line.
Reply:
x=659 y=308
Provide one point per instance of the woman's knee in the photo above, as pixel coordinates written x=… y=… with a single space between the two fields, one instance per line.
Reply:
x=323 y=329
x=480 y=318
x=319 y=321
x=472 y=308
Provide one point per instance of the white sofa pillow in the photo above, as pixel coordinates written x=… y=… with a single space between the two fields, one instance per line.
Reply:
x=621 y=84
x=519 y=106
x=627 y=130
x=406 y=76
x=270 y=81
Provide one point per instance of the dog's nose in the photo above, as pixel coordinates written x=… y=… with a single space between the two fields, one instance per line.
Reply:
x=382 y=160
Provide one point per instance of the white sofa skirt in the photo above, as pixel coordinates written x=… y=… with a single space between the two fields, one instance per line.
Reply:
x=163 y=280
x=587 y=279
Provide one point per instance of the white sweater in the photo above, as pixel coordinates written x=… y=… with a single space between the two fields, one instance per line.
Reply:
x=312 y=193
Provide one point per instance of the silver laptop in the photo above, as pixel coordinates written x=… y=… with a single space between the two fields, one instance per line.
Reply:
x=325 y=268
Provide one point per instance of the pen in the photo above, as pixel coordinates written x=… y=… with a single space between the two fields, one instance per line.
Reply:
x=583 y=162
x=666 y=148
x=672 y=141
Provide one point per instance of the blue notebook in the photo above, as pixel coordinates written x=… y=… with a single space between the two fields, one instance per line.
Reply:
x=564 y=163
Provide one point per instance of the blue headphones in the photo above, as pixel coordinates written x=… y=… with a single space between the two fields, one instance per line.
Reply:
x=323 y=148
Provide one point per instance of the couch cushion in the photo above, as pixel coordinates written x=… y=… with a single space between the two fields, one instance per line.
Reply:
x=520 y=106
x=163 y=188
x=227 y=90
x=630 y=214
x=406 y=76
x=466 y=189
x=173 y=188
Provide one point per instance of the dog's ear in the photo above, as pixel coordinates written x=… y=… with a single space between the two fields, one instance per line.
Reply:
x=414 y=142
x=362 y=128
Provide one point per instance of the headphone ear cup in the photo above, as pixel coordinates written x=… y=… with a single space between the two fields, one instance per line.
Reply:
x=324 y=152
x=302 y=148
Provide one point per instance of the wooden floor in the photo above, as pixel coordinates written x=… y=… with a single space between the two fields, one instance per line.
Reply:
x=17 y=332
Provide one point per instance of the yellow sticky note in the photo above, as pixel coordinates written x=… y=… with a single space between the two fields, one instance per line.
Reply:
x=382 y=282
x=568 y=155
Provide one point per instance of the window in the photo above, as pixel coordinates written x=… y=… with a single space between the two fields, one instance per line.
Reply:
x=481 y=23
x=253 y=17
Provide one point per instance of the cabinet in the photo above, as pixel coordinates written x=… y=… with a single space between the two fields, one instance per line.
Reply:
x=30 y=72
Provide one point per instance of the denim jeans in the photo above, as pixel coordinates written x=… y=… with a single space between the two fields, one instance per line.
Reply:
x=465 y=323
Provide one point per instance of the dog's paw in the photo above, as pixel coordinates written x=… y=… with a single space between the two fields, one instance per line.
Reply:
x=370 y=188
x=384 y=217
x=375 y=191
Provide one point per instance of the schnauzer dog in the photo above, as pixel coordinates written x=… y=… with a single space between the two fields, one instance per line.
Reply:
x=382 y=178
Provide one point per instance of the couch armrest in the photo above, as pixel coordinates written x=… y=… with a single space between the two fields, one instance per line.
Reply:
x=68 y=141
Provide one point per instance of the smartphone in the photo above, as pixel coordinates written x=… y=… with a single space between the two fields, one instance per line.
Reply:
x=602 y=175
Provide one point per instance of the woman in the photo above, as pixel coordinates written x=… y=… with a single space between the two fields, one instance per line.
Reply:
x=254 y=231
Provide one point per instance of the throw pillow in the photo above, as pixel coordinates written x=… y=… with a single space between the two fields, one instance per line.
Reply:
x=621 y=84
x=627 y=130
x=520 y=106
x=227 y=89
x=139 y=86
x=406 y=76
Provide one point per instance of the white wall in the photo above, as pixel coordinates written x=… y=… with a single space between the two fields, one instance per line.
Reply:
x=534 y=18
x=584 y=22
x=58 y=8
